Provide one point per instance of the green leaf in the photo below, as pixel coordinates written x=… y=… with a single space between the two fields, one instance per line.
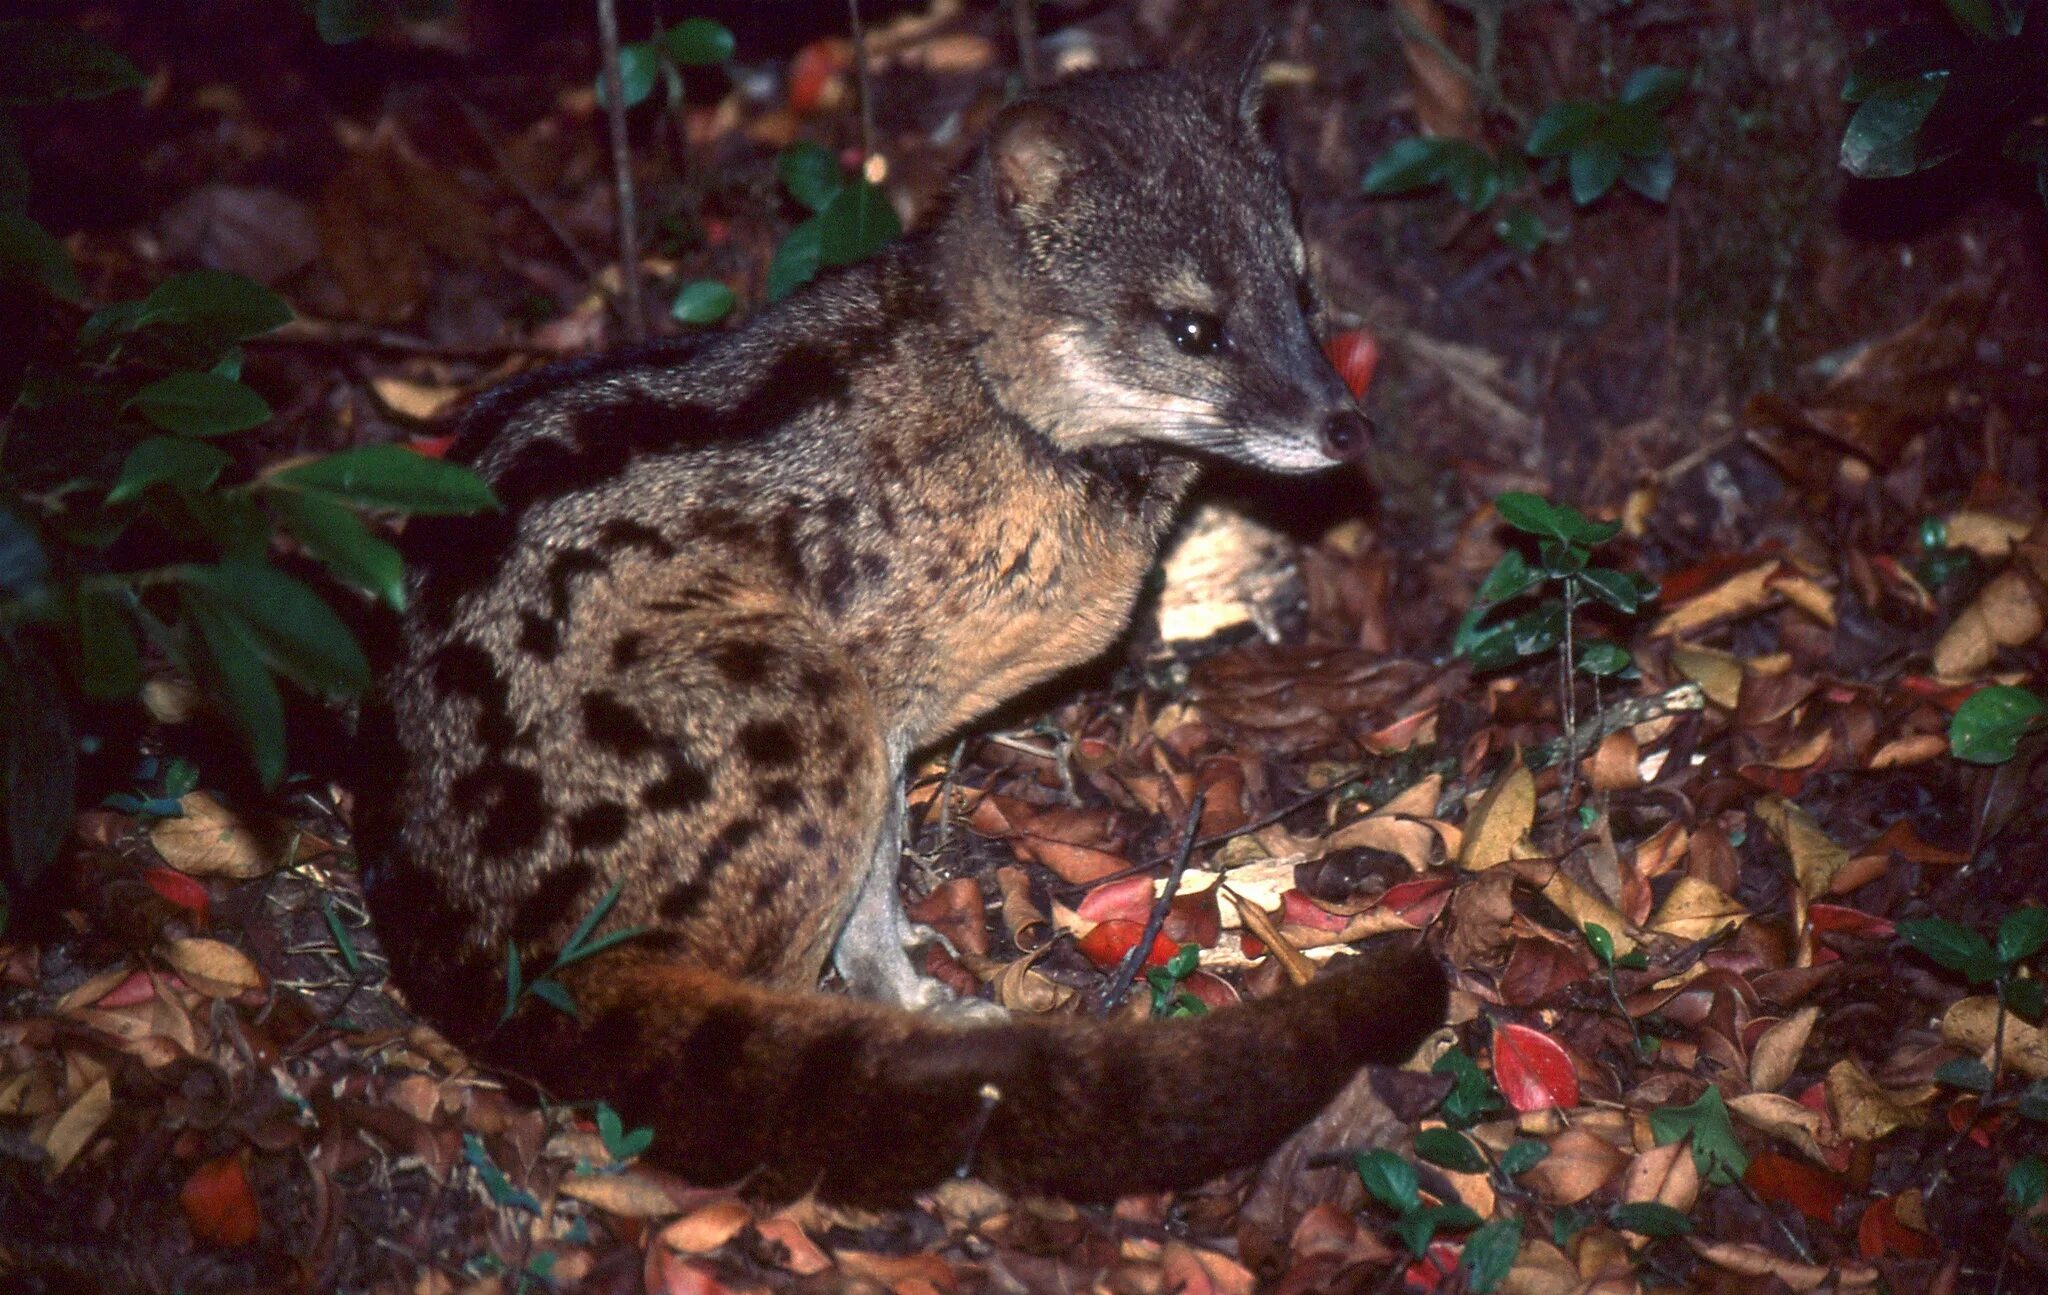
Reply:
x=1966 y=1073
x=1451 y=1149
x=1563 y=128
x=1389 y=1178
x=110 y=669
x=698 y=42
x=1881 y=141
x=639 y=65
x=1592 y=170
x=167 y=460
x=1903 y=54
x=1601 y=941
x=1531 y=514
x=500 y=1188
x=226 y=304
x=2024 y=998
x=1602 y=659
x=1617 y=589
x=1654 y=88
x=393 y=477
x=2021 y=934
x=1989 y=724
x=1418 y=1227
x=341 y=22
x=2033 y=1102
x=43 y=61
x=857 y=222
x=1634 y=132
x=1521 y=229
x=1511 y=577
x=1651 y=176
x=27 y=251
x=236 y=674
x=1651 y=1219
x=703 y=301
x=1184 y=961
x=1490 y=1252
x=1412 y=163
x=810 y=173
x=1715 y=1151
x=1536 y=632
x=797 y=260
x=515 y=986
x=1568 y=1222
x=201 y=404
x=1954 y=946
x=556 y=995
x=286 y=623
x=2025 y=1185
x=350 y=959
x=1470 y=175
x=38 y=765
x=23 y=564
x=574 y=948
x=1978 y=16
x=338 y=538
x=1472 y=1094
x=1522 y=1155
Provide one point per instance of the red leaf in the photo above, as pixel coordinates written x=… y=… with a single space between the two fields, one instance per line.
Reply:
x=1355 y=354
x=1948 y=696
x=1128 y=899
x=431 y=447
x=1812 y=1191
x=811 y=71
x=136 y=989
x=1418 y=901
x=1440 y=1262
x=1849 y=921
x=1297 y=909
x=1533 y=1070
x=1879 y=1232
x=218 y=1203
x=177 y=888
x=1106 y=945
x=1212 y=989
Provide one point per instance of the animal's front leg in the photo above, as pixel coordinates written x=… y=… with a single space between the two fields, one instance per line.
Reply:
x=873 y=951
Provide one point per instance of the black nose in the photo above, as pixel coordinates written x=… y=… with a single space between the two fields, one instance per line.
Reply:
x=1346 y=434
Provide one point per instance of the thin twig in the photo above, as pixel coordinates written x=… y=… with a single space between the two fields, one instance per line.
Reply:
x=482 y=127
x=860 y=74
x=1127 y=970
x=1024 y=22
x=622 y=172
x=1302 y=801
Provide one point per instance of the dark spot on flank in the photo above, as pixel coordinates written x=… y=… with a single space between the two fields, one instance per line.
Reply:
x=554 y=899
x=600 y=824
x=782 y=796
x=770 y=743
x=689 y=601
x=681 y=788
x=815 y=685
x=624 y=533
x=464 y=669
x=627 y=649
x=783 y=546
x=682 y=902
x=935 y=571
x=885 y=515
x=566 y=566
x=611 y=724
x=723 y=525
x=744 y=661
x=810 y=835
x=739 y=832
x=833 y=736
x=886 y=458
x=771 y=884
x=836 y=581
x=538 y=636
x=838 y=510
x=835 y=792
x=873 y=567
x=509 y=800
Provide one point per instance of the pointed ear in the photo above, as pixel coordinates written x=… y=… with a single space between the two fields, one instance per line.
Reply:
x=1233 y=79
x=1032 y=151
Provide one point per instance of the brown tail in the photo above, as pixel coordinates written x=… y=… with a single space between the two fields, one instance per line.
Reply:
x=867 y=1104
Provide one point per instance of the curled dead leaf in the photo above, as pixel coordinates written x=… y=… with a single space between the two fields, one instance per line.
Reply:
x=211 y=840
x=1666 y=1175
x=1580 y=1163
x=1499 y=825
x=1865 y=1112
x=1756 y=1261
x=1816 y=858
x=628 y=1193
x=1788 y=1121
x=2008 y=612
x=1776 y=1054
x=215 y=969
x=705 y=1228
x=1695 y=910
x=76 y=1126
x=1970 y=1023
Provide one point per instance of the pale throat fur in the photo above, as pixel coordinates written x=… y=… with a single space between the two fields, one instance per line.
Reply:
x=735 y=584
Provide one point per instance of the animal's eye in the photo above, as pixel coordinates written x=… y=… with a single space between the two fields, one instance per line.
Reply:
x=1195 y=332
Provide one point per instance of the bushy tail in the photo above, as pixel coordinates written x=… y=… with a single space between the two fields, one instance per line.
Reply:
x=867 y=1104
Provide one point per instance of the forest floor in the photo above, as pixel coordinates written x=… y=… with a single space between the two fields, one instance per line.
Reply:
x=1746 y=978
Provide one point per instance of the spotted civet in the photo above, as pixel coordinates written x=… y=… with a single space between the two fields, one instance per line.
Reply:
x=732 y=590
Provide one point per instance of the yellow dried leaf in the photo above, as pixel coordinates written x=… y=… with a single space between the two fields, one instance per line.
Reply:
x=1776 y=1054
x=1919 y=748
x=1616 y=764
x=1418 y=801
x=1583 y=906
x=1413 y=840
x=1788 y=1121
x=210 y=840
x=1988 y=535
x=1756 y=1261
x=1808 y=596
x=628 y=1193
x=1815 y=856
x=1718 y=674
x=1865 y=1112
x=1696 y=909
x=76 y=1126
x=1541 y=1269
x=1580 y=1163
x=1736 y=596
x=707 y=1228
x=420 y=401
x=215 y=969
x=1499 y=825
x=2007 y=613
x=1969 y=1024
x=1666 y=1175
